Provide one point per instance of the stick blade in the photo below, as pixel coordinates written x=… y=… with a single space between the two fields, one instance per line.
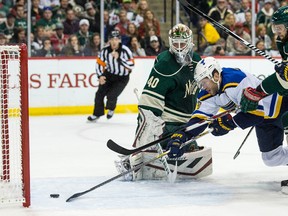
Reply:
x=173 y=175
x=74 y=196
x=117 y=148
x=236 y=155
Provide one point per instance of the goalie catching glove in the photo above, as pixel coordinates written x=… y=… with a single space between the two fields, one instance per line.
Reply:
x=250 y=98
x=223 y=125
x=282 y=70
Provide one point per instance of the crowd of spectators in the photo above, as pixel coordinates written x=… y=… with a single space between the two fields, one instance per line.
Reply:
x=236 y=16
x=72 y=27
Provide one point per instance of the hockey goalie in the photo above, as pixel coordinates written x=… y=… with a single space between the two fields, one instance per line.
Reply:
x=167 y=102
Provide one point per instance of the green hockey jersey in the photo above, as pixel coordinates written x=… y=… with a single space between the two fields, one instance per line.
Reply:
x=170 y=91
x=274 y=83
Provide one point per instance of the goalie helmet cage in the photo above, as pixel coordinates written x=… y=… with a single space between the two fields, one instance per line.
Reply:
x=14 y=131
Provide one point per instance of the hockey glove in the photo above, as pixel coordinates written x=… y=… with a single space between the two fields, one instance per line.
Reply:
x=222 y=126
x=175 y=143
x=196 y=131
x=282 y=70
x=250 y=98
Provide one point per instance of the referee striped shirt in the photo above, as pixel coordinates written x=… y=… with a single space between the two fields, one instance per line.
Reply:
x=121 y=66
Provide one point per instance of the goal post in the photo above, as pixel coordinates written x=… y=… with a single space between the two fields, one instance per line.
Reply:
x=14 y=131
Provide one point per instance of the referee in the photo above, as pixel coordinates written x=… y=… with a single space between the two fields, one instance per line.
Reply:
x=113 y=68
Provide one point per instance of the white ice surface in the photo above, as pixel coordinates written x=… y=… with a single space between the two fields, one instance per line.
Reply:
x=69 y=155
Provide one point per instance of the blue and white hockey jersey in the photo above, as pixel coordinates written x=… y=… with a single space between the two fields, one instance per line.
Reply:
x=229 y=95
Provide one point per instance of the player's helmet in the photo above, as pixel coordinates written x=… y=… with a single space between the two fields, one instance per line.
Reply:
x=205 y=68
x=280 y=17
x=180 y=42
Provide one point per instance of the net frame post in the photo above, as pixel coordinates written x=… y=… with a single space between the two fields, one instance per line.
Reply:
x=25 y=124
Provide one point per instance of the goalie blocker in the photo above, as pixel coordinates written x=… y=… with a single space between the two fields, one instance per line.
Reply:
x=191 y=165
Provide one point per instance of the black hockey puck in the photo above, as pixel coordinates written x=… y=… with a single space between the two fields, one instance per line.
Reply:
x=54 y=195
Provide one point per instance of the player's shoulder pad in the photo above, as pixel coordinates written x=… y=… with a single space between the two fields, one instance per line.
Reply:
x=203 y=95
x=231 y=77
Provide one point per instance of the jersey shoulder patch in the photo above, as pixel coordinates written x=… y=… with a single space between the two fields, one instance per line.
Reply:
x=231 y=77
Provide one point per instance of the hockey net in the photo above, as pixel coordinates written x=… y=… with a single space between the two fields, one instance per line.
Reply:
x=14 y=130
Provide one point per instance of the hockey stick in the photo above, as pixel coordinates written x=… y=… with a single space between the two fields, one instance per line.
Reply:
x=171 y=176
x=226 y=30
x=238 y=151
x=121 y=150
x=76 y=195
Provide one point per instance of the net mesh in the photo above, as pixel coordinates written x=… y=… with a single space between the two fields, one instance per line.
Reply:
x=11 y=182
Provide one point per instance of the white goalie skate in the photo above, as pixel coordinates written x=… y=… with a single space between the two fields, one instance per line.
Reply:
x=122 y=166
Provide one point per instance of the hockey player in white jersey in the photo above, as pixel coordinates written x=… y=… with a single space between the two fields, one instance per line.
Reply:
x=222 y=88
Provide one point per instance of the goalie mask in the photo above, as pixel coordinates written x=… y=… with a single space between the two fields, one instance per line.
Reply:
x=181 y=45
x=280 y=23
x=206 y=68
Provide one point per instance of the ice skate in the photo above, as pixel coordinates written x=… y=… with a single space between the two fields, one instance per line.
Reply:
x=92 y=118
x=110 y=114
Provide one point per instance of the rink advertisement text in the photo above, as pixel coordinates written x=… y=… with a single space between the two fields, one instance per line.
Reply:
x=63 y=80
x=73 y=82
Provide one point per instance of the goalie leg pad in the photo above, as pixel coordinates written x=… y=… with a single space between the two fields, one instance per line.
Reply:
x=150 y=128
x=136 y=160
x=191 y=165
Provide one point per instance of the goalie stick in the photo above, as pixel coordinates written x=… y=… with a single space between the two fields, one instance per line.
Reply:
x=76 y=195
x=121 y=150
x=189 y=6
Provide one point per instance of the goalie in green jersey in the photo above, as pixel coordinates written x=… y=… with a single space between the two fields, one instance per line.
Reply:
x=277 y=82
x=170 y=93
x=167 y=101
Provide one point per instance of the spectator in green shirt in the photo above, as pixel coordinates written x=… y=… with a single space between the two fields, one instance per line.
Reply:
x=47 y=21
x=21 y=18
x=7 y=27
